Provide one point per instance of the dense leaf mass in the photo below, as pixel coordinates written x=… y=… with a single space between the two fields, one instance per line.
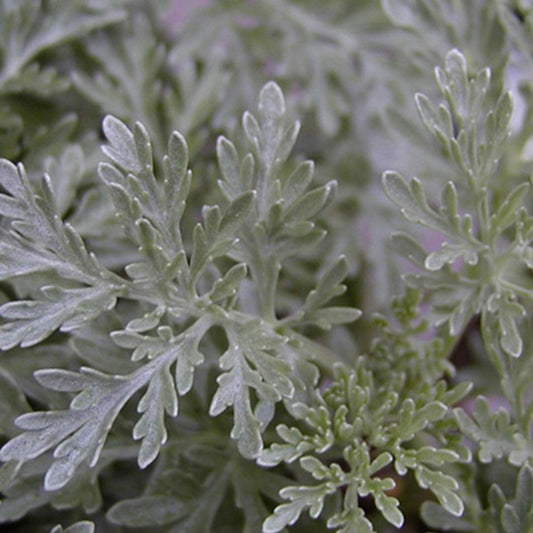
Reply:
x=214 y=316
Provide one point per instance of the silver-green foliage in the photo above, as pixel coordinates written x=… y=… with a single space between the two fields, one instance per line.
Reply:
x=173 y=281
x=182 y=343
x=482 y=268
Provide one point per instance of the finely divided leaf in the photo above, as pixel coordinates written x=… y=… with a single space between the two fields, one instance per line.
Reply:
x=300 y=498
x=160 y=397
x=64 y=309
x=248 y=364
x=411 y=199
x=79 y=433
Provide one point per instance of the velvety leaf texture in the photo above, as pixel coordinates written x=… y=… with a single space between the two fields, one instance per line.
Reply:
x=266 y=266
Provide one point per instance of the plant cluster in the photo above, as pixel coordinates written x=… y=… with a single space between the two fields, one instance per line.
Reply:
x=201 y=330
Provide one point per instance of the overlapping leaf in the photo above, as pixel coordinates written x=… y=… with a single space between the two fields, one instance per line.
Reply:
x=251 y=363
x=150 y=208
x=40 y=242
x=75 y=435
x=358 y=413
x=478 y=227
